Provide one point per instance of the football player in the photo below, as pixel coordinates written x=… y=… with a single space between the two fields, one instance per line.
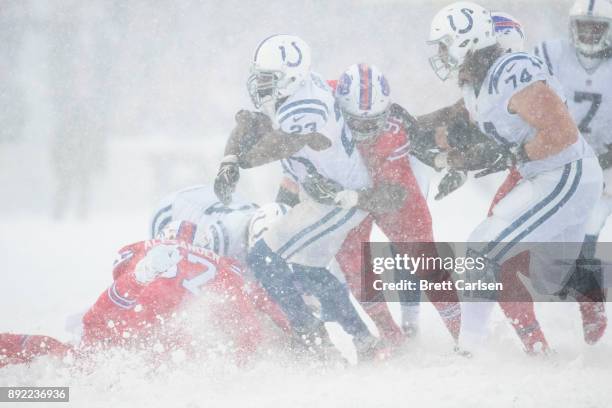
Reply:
x=306 y=132
x=152 y=281
x=519 y=105
x=383 y=130
x=583 y=65
x=231 y=230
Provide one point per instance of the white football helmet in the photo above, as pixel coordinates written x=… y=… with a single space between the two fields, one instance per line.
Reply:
x=590 y=22
x=280 y=66
x=456 y=30
x=262 y=219
x=363 y=95
x=509 y=32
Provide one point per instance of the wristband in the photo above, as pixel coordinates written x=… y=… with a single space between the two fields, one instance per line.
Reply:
x=441 y=160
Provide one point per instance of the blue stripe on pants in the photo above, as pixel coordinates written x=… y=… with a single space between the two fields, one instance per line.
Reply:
x=337 y=225
x=308 y=229
x=525 y=217
x=546 y=216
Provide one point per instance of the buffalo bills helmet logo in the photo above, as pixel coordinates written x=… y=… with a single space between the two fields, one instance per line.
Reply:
x=344 y=85
x=384 y=85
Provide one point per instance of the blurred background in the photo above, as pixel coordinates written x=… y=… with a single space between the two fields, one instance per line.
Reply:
x=107 y=105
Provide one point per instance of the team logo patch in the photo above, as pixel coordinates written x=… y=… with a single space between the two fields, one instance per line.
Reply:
x=284 y=55
x=470 y=21
x=384 y=85
x=344 y=85
x=503 y=24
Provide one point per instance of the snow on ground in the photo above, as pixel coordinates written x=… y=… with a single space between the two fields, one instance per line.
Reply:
x=55 y=269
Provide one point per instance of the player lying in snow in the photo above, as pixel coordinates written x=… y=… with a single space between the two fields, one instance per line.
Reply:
x=153 y=281
x=233 y=229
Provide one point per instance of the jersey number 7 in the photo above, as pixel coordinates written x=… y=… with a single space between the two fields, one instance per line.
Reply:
x=595 y=100
x=194 y=284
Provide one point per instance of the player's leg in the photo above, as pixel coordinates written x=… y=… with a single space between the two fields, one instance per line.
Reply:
x=446 y=301
x=413 y=223
x=585 y=286
x=550 y=207
x=309 y=236
x=349 y=259
x=22 y=348
x=335 y=303
x=598 y=217
x=517 y=304
x=587 y=278
x=277 y=279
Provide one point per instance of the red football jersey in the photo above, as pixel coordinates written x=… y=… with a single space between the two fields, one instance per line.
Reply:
x=129 y=312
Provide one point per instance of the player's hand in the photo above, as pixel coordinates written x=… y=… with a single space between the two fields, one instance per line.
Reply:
x=227 y=178
x=450 y=182
x=321 y=189
x=605 y=159
x=506 y=158
x=347 y=199
x=159 y=261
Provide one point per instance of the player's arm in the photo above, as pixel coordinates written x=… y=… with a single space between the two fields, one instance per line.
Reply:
x=444 y=116
x=545 y=111
x=438 y=122
x=276 y=144
x=461 y=146
x=386 y=196
x=254 y=142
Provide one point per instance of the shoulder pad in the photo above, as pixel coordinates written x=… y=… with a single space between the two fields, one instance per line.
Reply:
x=549 y=52
x=514 y=72
x=304 y=116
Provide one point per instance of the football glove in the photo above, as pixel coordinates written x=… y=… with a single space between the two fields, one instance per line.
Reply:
x=159 y=261
x=321 y=189
x=450 y=182
x=227 y=179
x=347 y=199
x=605 y=159
x=506 y=158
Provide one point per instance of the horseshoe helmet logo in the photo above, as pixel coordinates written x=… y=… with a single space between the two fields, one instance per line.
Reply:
x=284 y=55
x=470 y=21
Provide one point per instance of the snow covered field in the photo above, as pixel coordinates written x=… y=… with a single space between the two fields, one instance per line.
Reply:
x=54 y=269
x=171 y=135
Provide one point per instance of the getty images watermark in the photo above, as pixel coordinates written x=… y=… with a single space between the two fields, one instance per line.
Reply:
x=498 y=271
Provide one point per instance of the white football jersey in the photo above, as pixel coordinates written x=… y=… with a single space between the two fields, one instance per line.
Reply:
x=226 y=226
x=510 y=74
x=589 y=93
x=313 y=109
